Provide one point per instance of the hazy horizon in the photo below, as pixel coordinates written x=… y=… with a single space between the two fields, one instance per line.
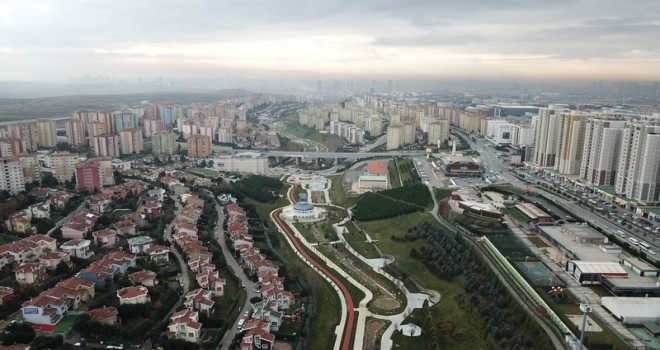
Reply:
x=508 y=39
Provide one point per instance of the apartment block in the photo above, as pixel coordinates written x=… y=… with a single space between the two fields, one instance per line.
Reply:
x=27 y=133
x=570 y=142
x=10 y=147
x=107 y=145
x=46 y=133
x=438 y=131
x=88 y=177
x=602 y=145
x=64 y=165
x=163 y=143
x=75 y=132
x=638 y=177
x=131 y=141
x=199 y=146
x=124 y=119
x=11 y=176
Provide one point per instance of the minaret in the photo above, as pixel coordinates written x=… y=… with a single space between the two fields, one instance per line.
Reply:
x=453 y=147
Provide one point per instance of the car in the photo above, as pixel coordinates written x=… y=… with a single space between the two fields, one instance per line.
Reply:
x=651 y=252
x=246 y=314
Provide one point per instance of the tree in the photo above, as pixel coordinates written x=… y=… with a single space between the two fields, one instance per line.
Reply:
x=18 y=333
x=62 y=269
x=48 y=180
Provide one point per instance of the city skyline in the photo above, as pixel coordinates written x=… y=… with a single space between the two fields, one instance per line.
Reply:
x=577 y=40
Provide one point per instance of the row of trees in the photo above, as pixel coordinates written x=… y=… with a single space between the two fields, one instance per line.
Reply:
x=448 y=257
x=261 y=188
x=373 y=206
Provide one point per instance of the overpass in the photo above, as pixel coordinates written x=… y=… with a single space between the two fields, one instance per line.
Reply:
x=334 y=155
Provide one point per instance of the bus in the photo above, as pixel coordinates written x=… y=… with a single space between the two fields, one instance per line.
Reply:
x=633 y=240
x=644 y=245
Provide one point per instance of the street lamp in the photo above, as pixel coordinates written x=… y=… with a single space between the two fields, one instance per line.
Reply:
x=585 y=309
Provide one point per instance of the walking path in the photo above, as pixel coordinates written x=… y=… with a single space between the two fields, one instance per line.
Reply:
x=414 y=300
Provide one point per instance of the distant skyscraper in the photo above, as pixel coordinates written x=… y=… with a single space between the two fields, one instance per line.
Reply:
x=124 y=120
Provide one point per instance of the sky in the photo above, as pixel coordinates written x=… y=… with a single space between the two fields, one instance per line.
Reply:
x=43 y=40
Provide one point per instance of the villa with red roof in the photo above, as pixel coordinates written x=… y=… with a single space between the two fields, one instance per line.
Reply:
x=133 y=295
x=185 y=325
x=145 y=278
x=105 y=315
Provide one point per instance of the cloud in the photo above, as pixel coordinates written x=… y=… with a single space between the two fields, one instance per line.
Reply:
x=327 y=36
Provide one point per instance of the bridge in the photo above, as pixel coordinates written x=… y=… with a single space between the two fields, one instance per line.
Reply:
x=334 y=155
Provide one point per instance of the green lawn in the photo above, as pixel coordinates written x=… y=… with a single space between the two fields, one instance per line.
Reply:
x=394 y=174
x=66 y=324
x=453 y=308
x=358 y=241
x=516 y=215
x=332 y=142
x=118 y=213
x=338 y=195
x=204 y=172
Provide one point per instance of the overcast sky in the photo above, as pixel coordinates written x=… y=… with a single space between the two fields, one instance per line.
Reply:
x=327 y=39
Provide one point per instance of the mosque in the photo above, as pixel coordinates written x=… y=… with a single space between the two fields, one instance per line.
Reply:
x=303 y=211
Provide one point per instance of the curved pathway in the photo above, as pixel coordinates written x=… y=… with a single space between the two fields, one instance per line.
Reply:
x=347 y=299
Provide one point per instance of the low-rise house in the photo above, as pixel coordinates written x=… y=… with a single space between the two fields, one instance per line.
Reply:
x=78 y=248
x=139 y=244
x=133 y=295
x=257 y=339
x=185 y=325
x=105 y=315
x=123 y=256
x=73 y=297
x=199 y=300
x=152 y=209
x=76 y=283
x=211 y=281
x=105 y=238
x=6 y=293
x=76 y=229
x=159 y=255
x=46 y=243
x=40 y=210
x=145 y=278
x=51 y=259
x=19 y=222
x=30 y=273
x=98 y=274
x=60 y=199
x=19 y=346
x=125 y=227
x=100 y=203
x=44 y=312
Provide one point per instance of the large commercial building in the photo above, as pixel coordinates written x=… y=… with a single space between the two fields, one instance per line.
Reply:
x=500 y=131
x=107 y=145
x=638 y=177
x=75 y=132
x=199 y=146
x=11 y=176
x=131 y=141
x=163 y=143
x=251 y=163
x=602 y=144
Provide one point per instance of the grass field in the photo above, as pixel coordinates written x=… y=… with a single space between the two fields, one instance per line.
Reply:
x=204 y=172
x=516 y=215
x=395 y=181
x=338 y=195
x=66 y=324
x=333 y=142
x=453 y=307
x=358 y=241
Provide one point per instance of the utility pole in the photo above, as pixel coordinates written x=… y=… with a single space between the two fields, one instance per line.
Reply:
x=585 y=309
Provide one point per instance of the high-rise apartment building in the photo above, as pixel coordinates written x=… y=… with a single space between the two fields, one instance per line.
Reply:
x=225 y=135
x=546 y=139
x=95 y=129
x=124 y=120
x=131 y=141
x=30 y=166
x=163 y=143
x=88 y=177
x=11 y=176
x=75 y=132
x=27 y=133
x=394 y=137
x=64 y=165
x=10 y=147
x=438 y=131
x=373 y=125
x=199 y=146
x=107 y=145
x=638 y=175
x=602 y=144
x=46 y=133
x=152 y=126
x=570 y=142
